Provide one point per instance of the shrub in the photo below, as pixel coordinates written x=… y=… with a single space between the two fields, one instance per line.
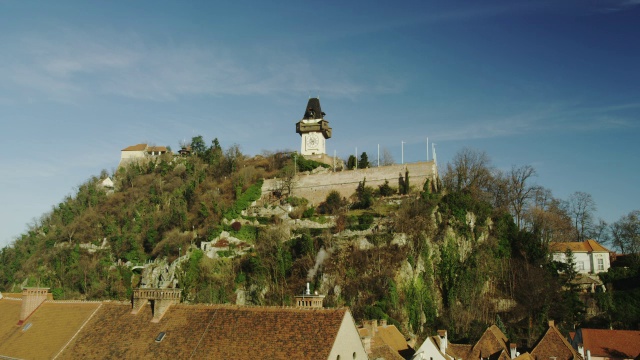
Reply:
x=362 y=222
x=296 y=201
x=364 y=196
x=332 y=203
x=236 y=226
x=308 y=165
x=385 y=189
x=243 y=201
x=309 y=212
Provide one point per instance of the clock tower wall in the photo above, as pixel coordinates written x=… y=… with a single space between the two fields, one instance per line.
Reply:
x=313 y=143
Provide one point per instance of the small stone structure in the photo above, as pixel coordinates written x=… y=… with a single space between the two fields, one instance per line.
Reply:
x=161 y=300
x=307 y=300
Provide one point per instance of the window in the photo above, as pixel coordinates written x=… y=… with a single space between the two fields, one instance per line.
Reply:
x=160 y=336
x=580 y=265
x=600 y=264
x=26 y=327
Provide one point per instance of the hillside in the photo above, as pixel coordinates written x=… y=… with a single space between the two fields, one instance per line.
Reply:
x=423 y=259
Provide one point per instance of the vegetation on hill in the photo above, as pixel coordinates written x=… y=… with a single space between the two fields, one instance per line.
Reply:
x=456 y=254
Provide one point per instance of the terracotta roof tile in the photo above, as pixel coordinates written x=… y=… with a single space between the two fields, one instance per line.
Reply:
x=12 y=295
x=525 y=356
x=157 y=149
x=612 y=343
x=213 y=332
x=388 y=336
x=139 y=147
x=492 y=342
x=391 y=336
x=52 y=325
x=384 y=352
x=554 y=345
x=585 y=246
x=459 y=351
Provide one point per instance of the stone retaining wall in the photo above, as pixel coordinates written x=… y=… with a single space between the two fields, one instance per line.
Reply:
x=316 y=187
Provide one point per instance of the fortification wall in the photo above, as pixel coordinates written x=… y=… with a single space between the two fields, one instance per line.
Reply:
x=316 y=187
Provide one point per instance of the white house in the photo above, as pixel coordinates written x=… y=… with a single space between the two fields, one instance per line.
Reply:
x=434 y=348
x=107 y=183
x=140 y=151
x=589 y=256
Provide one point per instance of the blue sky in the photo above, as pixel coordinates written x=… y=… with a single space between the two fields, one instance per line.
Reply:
x=552 y=84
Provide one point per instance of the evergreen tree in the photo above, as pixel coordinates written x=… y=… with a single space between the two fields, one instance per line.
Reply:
x=364 y=195
x=406 y=181
x=364 y=161
x=351 y=163
x=385 y=189
x=197 y=145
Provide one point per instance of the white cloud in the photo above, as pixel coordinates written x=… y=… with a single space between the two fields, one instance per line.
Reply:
x=70 y=66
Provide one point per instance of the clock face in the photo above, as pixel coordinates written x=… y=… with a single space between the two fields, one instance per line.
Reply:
x=312 y=141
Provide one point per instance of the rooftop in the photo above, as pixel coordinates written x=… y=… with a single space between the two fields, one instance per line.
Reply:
x=45 y=332
x=139 y=147
x=585 y=246
x=218 y=332
x=612 y=343
x=553 y=344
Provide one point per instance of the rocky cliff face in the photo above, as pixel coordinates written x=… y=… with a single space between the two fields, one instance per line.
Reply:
x=161 y=274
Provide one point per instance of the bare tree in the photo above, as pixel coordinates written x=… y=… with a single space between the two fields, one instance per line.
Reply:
x=286 y=180
x=625 y=233
x=519 y=192
x=386 y=159
x=469 y=170
x=580 y=206
x=547 y=218
x=599 y=232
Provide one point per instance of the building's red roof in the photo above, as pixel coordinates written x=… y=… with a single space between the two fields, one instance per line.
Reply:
x=45 y=332
x=492 y=342
x=554 y=345
x=221 y=243
x=585 y=246
x=157 y=149
x=139 y=147
x=612 y=343
x=208 y=332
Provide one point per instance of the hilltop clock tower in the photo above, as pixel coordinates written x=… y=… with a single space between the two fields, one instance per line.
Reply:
x=313 y=129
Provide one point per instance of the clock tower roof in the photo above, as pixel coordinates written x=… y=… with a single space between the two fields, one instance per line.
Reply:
x=313 y=120
x=313 y=110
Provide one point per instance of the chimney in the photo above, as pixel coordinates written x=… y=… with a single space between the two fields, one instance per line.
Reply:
x=588 y=355
x=366 y=342
x=552 y=323
x=162 y=300
x=383 y=323
x=512 y=350
x=442 y=334
x=32 y=298
x=581 y=350
x=371 y=325
x=308 y=292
